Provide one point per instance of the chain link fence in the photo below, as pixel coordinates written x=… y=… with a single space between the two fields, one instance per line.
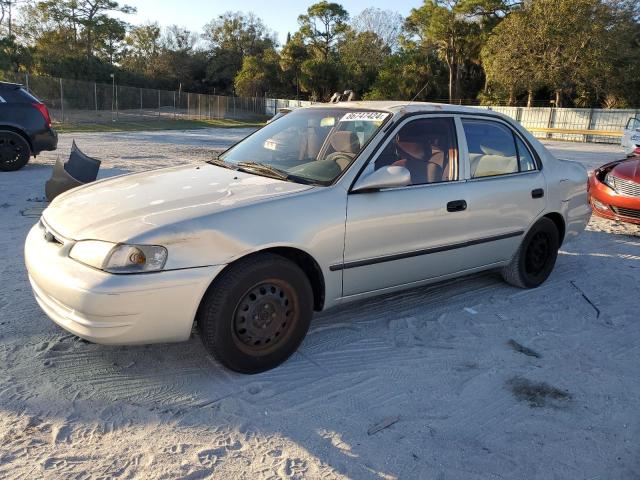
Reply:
x=77 y=101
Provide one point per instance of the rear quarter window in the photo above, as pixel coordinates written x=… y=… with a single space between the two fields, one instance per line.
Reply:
x=25 y=96
x=17 y=95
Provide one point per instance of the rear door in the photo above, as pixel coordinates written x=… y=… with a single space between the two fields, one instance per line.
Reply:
x=506 y=189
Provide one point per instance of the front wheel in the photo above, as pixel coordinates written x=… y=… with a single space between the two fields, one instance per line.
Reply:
x=14 y=151
x=533 y=262
x=256 y=314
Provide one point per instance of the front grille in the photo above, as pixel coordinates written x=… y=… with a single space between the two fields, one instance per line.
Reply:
x=627 y=212
x=626 y=187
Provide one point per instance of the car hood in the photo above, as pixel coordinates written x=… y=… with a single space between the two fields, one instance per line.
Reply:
x=120 y=208
x=628 y=169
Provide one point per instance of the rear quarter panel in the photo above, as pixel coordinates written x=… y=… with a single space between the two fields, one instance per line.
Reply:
x=24 y=118
x=567 y=192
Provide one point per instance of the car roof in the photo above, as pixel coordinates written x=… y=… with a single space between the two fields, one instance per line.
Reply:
x=9 y=86
x=395 y=106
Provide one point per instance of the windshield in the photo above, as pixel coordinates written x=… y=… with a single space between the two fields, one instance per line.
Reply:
x=312 y=144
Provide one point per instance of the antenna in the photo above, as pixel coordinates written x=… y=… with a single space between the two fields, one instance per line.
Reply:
x=416 y=95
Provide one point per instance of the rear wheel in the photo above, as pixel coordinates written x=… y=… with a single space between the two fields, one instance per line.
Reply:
x=14 y=151
x=257 y=313
x=536 y=257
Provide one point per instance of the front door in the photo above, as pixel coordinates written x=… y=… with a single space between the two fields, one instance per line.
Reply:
x=401 y=235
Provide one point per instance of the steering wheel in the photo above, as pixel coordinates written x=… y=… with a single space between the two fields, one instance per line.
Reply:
x=342 y=159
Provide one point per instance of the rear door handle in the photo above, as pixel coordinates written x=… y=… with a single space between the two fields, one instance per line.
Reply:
x=537 y=193
x=456 y=206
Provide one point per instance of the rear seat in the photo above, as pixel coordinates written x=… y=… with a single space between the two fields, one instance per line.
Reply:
x=483 y=165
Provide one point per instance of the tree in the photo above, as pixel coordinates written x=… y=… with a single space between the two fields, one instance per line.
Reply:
x=231 y=37
x=362 y=55
x=93 y=15
x=143 y=48
x=457 y=28
x=6 y=12
x=386 y=24
x=319 y=77
x=509 y=60
x=569 y=46
x=413 y=71
x=258 y=74
x=442 y=23
x=293 y=55
x=242 y=33
x=322 y=26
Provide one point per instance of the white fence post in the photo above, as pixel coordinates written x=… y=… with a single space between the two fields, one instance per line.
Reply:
x=61 y=102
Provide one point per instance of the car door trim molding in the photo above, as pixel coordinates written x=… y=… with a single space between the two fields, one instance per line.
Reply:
x=426 y=251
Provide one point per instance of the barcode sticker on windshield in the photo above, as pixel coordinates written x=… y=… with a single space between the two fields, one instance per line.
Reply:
x=364 y=117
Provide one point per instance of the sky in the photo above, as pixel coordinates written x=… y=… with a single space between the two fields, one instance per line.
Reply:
x=280 y=16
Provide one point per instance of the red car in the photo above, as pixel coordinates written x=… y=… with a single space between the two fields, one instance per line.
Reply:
x=614 y=190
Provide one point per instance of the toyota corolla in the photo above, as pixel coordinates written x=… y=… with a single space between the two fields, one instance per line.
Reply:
x=325 y=205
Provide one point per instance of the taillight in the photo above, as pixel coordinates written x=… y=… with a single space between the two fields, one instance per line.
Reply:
x=637 y=151
x=42 y=108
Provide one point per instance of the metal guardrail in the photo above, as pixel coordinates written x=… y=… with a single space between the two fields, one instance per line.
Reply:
x=567 y=131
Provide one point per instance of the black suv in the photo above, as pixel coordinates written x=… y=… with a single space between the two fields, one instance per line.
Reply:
x=25 y=127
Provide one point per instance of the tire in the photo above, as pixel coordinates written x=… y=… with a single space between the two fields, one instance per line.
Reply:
x=533 y=262
x=256 y=314
x=14 y=151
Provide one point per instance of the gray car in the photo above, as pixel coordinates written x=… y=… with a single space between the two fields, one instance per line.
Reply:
x=325 y=205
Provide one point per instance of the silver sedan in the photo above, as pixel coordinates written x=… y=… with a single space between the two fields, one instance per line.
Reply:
x=323 y=206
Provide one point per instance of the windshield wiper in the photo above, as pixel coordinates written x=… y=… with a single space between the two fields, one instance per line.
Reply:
x=220 y=163
x=276 y=172
x=267 y=169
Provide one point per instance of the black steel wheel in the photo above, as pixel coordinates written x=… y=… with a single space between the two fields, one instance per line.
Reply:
x=256 y=314
x=265 y=316
x=538 y=253
x=14 y=151
x=536 y=257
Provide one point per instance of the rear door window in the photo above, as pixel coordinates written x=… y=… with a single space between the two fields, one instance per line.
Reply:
x=494 y=149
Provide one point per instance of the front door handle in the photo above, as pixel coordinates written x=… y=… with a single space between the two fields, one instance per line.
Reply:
x=456 y=206
x=537 y=193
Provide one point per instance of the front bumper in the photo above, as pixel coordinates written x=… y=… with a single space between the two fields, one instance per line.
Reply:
x=607 y=203
x=113 y=309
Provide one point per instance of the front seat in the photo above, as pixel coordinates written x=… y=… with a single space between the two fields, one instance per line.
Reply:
x=417 y=155
x=345 y=146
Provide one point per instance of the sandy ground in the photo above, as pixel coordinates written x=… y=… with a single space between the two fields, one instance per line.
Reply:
x=473 y=379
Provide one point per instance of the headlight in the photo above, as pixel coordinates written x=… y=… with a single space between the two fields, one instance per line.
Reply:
x=610 y=181
x=119 y=258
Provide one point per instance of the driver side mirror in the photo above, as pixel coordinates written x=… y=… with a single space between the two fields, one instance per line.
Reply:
x=385 y=177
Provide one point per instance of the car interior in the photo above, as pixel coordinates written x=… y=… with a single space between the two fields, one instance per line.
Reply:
x=492 y=149
x=426 y=147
